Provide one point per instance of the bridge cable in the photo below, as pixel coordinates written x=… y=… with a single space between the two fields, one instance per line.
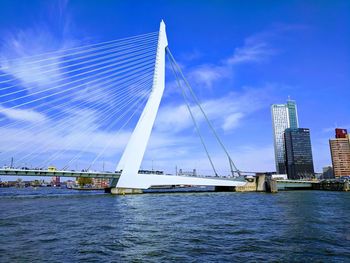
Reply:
x=111 y=114
x=232 y=165
x=79 y=80
x=86 y=131
x=128 y=51
x=35 y=126
x=77 y=156
x=125 y=123
x=67 y=121
x=69 y=49
x=127 y=64
x=82 y=93
x=63 y=91
x=192 y=117
x=121 y=80
x=73 y=70
x=137 y=80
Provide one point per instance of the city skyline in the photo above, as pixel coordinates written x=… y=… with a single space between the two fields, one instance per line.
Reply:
x=238 y=73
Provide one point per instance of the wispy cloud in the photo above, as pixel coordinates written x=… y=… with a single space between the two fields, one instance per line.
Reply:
x=27 y=115
x=25 y=52
x=232 y=121
x=207 y=74
x=226 y=112
x=254 y=50
x=257 y=48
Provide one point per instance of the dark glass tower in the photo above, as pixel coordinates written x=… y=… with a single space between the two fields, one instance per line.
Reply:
x=298 y=153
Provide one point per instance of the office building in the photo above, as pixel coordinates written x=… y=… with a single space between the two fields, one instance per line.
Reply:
x=340 y=152
x=283 y=116
x=298 y=153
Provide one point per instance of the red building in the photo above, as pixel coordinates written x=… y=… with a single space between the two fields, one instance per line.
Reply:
x=340 y=133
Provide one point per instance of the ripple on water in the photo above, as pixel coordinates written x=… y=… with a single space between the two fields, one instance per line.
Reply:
x=59 y=225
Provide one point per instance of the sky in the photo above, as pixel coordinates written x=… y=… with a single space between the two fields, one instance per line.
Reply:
x=239 y=56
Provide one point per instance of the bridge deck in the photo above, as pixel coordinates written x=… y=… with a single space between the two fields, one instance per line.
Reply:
x=154 y=179
x=22 y=172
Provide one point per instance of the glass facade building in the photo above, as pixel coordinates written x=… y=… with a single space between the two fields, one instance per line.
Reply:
x=292 y=114
x=298 y=153
x=284 y=116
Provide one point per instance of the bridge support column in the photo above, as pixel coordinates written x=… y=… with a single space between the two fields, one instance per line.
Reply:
x=125 y=191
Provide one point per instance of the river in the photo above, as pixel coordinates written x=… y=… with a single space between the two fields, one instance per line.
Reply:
x=61 y=225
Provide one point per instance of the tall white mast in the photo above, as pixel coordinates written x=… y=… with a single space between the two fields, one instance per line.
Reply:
x=131 y=159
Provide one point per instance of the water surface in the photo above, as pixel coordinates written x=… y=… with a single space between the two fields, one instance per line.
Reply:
x=60 y=225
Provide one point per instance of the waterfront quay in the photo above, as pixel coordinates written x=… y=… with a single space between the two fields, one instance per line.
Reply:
x=258 y=183
x=263 y=183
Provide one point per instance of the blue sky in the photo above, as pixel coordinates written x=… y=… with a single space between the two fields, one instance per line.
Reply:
x=240 y=57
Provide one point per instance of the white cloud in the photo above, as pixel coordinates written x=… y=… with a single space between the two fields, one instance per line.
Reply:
x=33 y=75
x=232 y=121
x=206 y=75
x=251 y=52
x=255 y=49
x=26 y=53
x=25 y=57
x=226 y=112
x=27 y=115
x=173 y=117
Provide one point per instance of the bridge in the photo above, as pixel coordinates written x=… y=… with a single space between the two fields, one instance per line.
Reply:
x=136 y=63
x=51 y=173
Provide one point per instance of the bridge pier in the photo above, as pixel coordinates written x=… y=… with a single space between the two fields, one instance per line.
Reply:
x=124 y=191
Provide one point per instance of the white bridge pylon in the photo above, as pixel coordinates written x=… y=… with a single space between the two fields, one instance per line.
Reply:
x=131 y=159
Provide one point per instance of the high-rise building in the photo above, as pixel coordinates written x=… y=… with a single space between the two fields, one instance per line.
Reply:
x=340 y=152
x=292 y=114
x=283 y=116
x=298 y=153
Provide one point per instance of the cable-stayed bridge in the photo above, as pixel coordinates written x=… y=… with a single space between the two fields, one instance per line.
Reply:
x=45 y=98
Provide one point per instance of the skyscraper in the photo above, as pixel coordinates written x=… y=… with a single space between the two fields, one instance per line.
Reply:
x=298 y=153
x=284 y=116
x=340 y=152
